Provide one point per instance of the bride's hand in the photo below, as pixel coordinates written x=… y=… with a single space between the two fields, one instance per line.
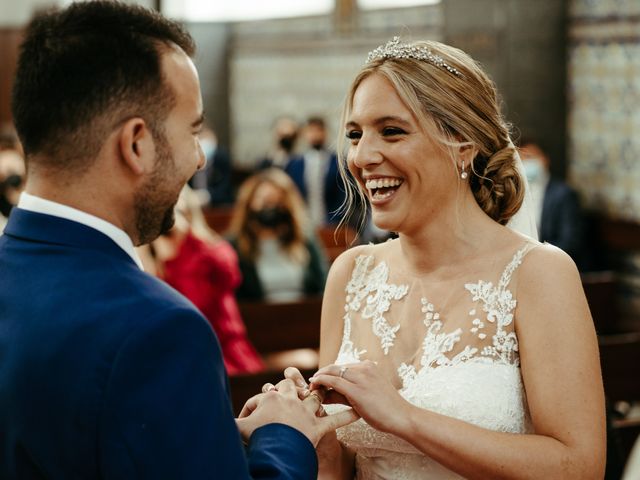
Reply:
x=370 y=394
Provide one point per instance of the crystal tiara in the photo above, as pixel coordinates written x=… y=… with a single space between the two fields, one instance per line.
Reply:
x=394 y=49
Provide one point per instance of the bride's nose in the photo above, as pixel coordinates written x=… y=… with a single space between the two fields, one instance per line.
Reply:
x=366 y=153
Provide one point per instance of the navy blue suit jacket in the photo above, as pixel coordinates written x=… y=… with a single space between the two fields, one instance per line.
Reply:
x=334 y=189
x=562 y=223
x=106 y=372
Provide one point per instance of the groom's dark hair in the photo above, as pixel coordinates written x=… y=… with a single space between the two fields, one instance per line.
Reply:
x=83 y=70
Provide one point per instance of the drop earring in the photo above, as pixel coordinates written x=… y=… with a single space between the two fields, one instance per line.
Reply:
x=463 y=172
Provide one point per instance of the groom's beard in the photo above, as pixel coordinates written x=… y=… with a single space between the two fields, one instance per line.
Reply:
x=154 y=202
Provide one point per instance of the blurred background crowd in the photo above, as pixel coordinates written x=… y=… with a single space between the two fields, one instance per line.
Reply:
x=258 y=223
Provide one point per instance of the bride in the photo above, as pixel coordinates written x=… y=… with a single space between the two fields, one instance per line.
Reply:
x=467 y=348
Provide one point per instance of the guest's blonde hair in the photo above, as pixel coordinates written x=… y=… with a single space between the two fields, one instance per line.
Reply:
x=458 y=109
x=293 y=240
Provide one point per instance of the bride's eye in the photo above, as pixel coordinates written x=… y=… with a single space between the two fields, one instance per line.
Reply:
x=354 y=135
x=392 y=131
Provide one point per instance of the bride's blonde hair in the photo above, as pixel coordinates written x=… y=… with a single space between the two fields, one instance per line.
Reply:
x=460 y=108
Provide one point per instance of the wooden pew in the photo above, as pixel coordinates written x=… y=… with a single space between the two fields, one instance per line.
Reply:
x=272 y=328
x=620 y=361
x=218 y=218
x=275 y=327
x=600 y=288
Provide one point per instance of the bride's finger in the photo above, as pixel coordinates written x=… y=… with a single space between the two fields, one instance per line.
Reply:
x=337 y=370
x=334 y=382
x=337 y=420
x=333 y=397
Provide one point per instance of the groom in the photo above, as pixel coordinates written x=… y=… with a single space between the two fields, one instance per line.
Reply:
x=105 y=372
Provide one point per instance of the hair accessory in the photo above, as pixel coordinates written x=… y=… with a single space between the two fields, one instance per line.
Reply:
x=463 y=172
x=394 y=49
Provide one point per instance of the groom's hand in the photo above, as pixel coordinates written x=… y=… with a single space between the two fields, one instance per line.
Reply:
x=282 y=405
x=328 y=396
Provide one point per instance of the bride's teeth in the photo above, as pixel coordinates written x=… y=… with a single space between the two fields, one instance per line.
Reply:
x=382 y=183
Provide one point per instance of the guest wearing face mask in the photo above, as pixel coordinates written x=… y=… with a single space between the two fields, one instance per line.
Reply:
x=213 y=183
x=559 y=216
x=279 y=260
x=285 y=133
x=12 y=174
x=316 y=175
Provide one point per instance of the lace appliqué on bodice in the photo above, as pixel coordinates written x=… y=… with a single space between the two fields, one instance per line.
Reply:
x=480 y=384
x=498 y=303
x=369 y=286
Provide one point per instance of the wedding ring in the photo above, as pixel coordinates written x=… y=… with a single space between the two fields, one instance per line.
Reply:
x=316 y=395
x=343 y=370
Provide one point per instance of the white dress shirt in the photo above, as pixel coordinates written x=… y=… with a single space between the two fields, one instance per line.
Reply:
x=316 y=164
x=40 y=205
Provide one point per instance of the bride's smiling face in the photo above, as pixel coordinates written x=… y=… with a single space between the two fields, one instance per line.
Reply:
x=403 y=170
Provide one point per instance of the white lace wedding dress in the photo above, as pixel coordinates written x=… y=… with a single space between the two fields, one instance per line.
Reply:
x=460 y=359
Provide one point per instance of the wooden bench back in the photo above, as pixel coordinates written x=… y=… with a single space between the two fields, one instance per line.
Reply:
x=275 y=327
x=620 y=360
x=600 y=288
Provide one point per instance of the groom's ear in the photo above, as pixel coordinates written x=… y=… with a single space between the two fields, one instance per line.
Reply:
x=136 y=146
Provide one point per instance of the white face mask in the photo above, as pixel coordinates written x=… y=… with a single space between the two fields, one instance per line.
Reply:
x=208 y=147
x=534 y=170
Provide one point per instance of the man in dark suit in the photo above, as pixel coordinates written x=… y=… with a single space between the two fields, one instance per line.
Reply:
x=317 y=175
x=215 y=178
x=559 y=216
x=105 y=372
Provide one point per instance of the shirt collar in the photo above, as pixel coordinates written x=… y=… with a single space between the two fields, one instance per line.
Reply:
x=37 y=204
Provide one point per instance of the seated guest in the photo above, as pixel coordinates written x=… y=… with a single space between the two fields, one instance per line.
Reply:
x=285 y=135
x=317 y=177
x=213 y=182
x=202 y=266
x=279 y=260
x=559 y=216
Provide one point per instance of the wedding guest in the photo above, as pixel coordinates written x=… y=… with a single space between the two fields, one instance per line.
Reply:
x=214 y=181
x=285 y=136
x=280 y=259
x=317 y=177
x=465 y=345
x=203 y=266
x=557 y=208
x=106 y=371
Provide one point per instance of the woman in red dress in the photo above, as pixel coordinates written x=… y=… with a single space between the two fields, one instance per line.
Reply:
x=204 y=268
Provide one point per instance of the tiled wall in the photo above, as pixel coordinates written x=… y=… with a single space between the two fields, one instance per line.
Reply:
x=604 y=105
x=604 y=121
